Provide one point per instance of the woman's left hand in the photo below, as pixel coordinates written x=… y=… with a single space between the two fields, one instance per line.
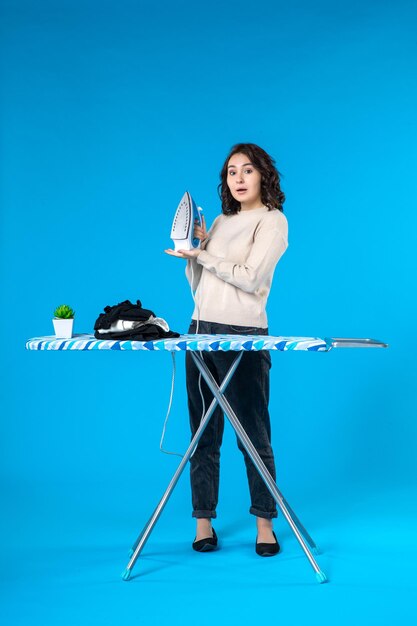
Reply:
x=184 y=254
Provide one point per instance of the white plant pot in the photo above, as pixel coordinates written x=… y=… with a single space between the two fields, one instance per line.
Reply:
x=63 y=328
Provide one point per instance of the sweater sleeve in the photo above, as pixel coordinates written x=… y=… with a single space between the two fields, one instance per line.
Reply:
x=268 y=247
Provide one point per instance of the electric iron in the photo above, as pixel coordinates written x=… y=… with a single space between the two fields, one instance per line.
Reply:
x=183 y=225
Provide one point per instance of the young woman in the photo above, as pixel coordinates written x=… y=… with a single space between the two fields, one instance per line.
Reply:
x=231 y=274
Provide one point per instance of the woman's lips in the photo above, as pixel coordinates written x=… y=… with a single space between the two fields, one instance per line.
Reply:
x=241 y=191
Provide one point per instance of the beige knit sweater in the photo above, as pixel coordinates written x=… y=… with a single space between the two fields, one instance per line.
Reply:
x=233 y=273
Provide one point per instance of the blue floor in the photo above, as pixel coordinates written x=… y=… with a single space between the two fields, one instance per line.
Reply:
x=63 y=567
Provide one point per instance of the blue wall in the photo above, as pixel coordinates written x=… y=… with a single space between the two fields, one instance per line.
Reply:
x=109 y=112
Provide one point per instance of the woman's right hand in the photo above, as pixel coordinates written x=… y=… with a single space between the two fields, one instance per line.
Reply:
x=200 y=232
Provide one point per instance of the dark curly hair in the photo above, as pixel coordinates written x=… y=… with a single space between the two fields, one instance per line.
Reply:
x=271 y=194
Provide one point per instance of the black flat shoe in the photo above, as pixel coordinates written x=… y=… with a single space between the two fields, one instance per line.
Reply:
x=206 y=545
x=268 y=549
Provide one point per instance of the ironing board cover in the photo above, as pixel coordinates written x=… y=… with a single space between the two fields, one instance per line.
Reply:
x=185 y=342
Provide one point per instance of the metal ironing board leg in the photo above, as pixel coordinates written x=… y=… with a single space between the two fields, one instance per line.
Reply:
x=145 y=533
x=294 y=517
x=314 y=547
x=259 y=464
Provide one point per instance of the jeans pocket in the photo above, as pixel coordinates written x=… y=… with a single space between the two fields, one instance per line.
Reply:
x=244 y=330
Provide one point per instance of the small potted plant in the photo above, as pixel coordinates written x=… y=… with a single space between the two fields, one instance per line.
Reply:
x=63 y=321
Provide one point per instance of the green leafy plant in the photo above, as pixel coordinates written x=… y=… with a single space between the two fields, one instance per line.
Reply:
x=64 y=312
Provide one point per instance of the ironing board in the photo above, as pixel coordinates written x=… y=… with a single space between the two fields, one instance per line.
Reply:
x=215 y=343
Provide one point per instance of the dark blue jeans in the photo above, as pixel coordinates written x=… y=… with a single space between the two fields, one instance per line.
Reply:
x=248 y=395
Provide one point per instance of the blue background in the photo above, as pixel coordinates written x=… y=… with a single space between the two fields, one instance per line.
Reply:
x=109 y=112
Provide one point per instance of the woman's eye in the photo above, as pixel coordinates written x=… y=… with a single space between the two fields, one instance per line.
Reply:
x=248 y=171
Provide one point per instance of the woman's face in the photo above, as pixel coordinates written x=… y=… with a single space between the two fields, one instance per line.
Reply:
x=244 y=181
